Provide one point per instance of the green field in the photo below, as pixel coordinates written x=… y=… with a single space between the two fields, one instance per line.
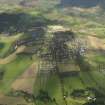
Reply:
x=13 y=70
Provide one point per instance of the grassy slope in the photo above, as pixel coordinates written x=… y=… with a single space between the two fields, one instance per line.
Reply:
x=7 y=43
x=13 y=70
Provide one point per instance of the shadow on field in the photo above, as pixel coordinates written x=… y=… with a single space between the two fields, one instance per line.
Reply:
x=22 y=22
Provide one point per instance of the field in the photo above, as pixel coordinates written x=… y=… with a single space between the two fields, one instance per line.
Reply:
x=51 y=55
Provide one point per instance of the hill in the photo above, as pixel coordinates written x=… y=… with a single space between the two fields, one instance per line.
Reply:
x=83 y=3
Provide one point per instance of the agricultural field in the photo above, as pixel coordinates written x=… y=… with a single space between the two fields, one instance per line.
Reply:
x=52 y=52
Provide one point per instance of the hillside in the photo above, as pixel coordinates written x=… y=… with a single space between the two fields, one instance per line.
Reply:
x=52 y=52
x=83 y=3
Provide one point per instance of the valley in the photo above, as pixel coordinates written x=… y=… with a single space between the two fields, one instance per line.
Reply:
x=52 y=54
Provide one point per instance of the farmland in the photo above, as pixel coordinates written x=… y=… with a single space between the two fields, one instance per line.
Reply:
x=51 y=54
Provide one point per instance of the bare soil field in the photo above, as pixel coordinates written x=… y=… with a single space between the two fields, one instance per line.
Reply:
x=96 y=43
x=7 y=100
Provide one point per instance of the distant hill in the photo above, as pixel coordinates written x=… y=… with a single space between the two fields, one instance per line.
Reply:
x=62 y=3
x=29 y=3
x=9 y=1
x=18 y=2
x=83 y=3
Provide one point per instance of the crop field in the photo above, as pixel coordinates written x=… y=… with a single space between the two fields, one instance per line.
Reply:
x=52 y=53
